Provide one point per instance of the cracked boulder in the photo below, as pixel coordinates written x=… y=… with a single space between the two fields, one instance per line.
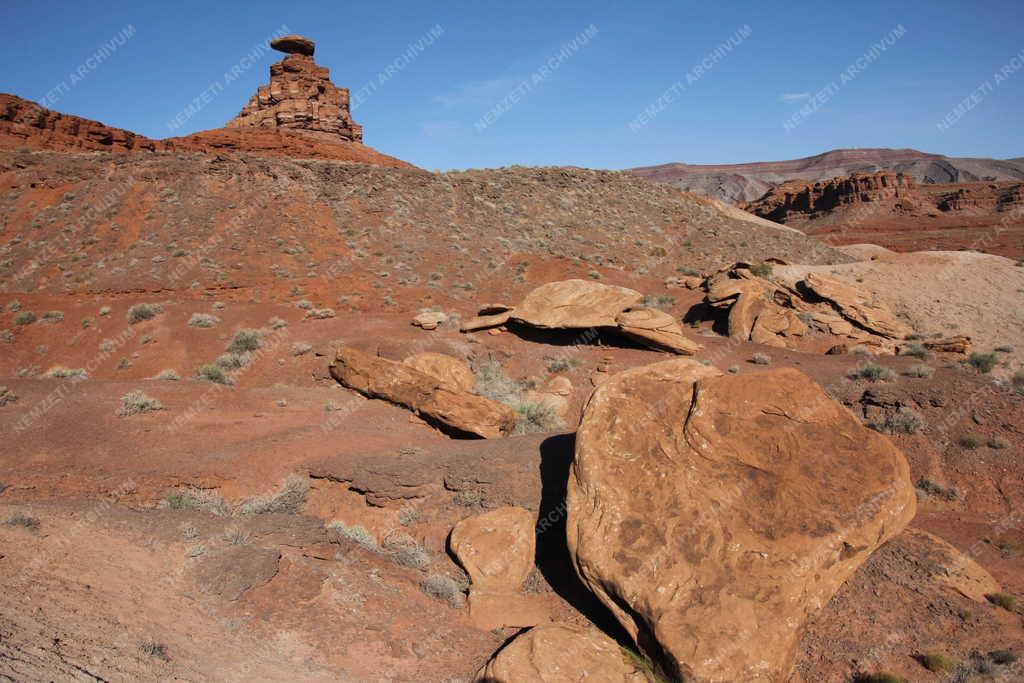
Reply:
x=656 y=329
x=715 y=514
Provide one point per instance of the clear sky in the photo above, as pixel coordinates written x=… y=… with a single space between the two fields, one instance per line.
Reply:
x=433 y=107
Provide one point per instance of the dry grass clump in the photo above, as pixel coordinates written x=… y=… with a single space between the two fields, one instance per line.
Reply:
x=140 y=312
x=443 y=588
x=61 y=372
x=872 y=372
x=203 y=320
x=136 y=402
x=22 y=520
x=287 y=499
x=245 y=341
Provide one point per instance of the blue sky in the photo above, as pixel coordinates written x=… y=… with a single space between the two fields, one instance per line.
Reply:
x=639 y=56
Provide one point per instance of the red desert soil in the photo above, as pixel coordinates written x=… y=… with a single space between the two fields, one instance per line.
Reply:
x=194 y=542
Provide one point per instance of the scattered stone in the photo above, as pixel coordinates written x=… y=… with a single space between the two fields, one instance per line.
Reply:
x=960 y=345
x=456 y=412
x=697 y=513
x=429 y=320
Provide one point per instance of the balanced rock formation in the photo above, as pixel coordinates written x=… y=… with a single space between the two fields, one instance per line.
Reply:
x=699 y=515
x=496 y=549
x=574 y=304
x=300 y=96
x=558 y=653
x=583 y=305
x=437 y=401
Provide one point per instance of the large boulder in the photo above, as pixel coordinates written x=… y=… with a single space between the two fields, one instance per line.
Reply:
x=873 y=316
x=656 y=329
x=497 y=549
x=558 y=653
x=572 y=304
x=455 y=411
x=714 y=514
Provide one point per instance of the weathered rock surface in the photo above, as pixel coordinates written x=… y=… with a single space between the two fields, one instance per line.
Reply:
x=699 y=514
x=429 y=320
x=455 y=411
x=450 y=371
x=559 y=653
x=572 y=304
x=656 y=329
x=871 y=315
x=497 y=550
x=300 y=96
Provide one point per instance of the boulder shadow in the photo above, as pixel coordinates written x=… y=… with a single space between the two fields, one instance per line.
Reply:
x=553 y=559
x=590 y=336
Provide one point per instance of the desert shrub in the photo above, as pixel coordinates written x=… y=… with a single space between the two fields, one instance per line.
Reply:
x=1002 y=657
x=983 y=362
x=14 y=306
x=903 y=421
x=320 y=313
x=140 y=312
x=245 y=341
x=998 y=443
x=193 y=498
x=535 y=417
x=920 y=370
x=762 y=270
x=970 y=441
x=6 y=336
x=357 y=534
x=203 y=320
x=563 y=364
x=873 y=372
x=301 y=348
x=468 y=497
x=105 y=310
x=168 y=376
x=761 y=359
x=304 y=305
x=936 y=662
x=23 y=520
x=689 y=272
x=443 y=588
x=405 y=551
x=493 y=383
x=236 y=536
x=25 y=318
x=212 y=373
x=662 y=301
x=52 y=317
x=61 y=372
x=932 y=488
x=135 y=402
x=288 y=498
x=1004 y=600
x=915 y=349
x=1018 y=381
x=733 y=369
x=153 y=649
x=232 y=361
x=408 y=515
x=880 y=677
x=277 y=323
x=219 y=305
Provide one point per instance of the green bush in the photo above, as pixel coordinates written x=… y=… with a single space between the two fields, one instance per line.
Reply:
x=983 y=362
x=245 y=341
x=1004 y=600
x=203 y=320
x=535 y=418
x=915 y=349
x=25 y=521
x=52 y=317
x=970 y=441
x=873 y=372
x=936 y=662
x=140 y=312
x=920 y=370
x=212 y=373
x=25 y=318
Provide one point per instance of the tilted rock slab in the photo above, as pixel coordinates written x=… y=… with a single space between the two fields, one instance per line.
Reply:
x=714 y=514
x=460 y=412
x=559 y=653
x=870 y=315
x=451 y=371
x=656 y=329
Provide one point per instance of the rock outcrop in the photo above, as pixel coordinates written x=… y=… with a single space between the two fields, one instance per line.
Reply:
x=810 y=199
x=774 y=311
x=559 y=653
x=656 y=329
x=24 y=123
x=450 y=371
x=496 y=549
x=300 y=96
x=453 y=410
x=698 y=513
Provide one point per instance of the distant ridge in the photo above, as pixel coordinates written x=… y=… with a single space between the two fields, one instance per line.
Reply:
x=736 y=183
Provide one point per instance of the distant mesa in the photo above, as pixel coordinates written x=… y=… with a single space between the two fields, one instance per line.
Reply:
x=294 y=45
x=300 y=97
